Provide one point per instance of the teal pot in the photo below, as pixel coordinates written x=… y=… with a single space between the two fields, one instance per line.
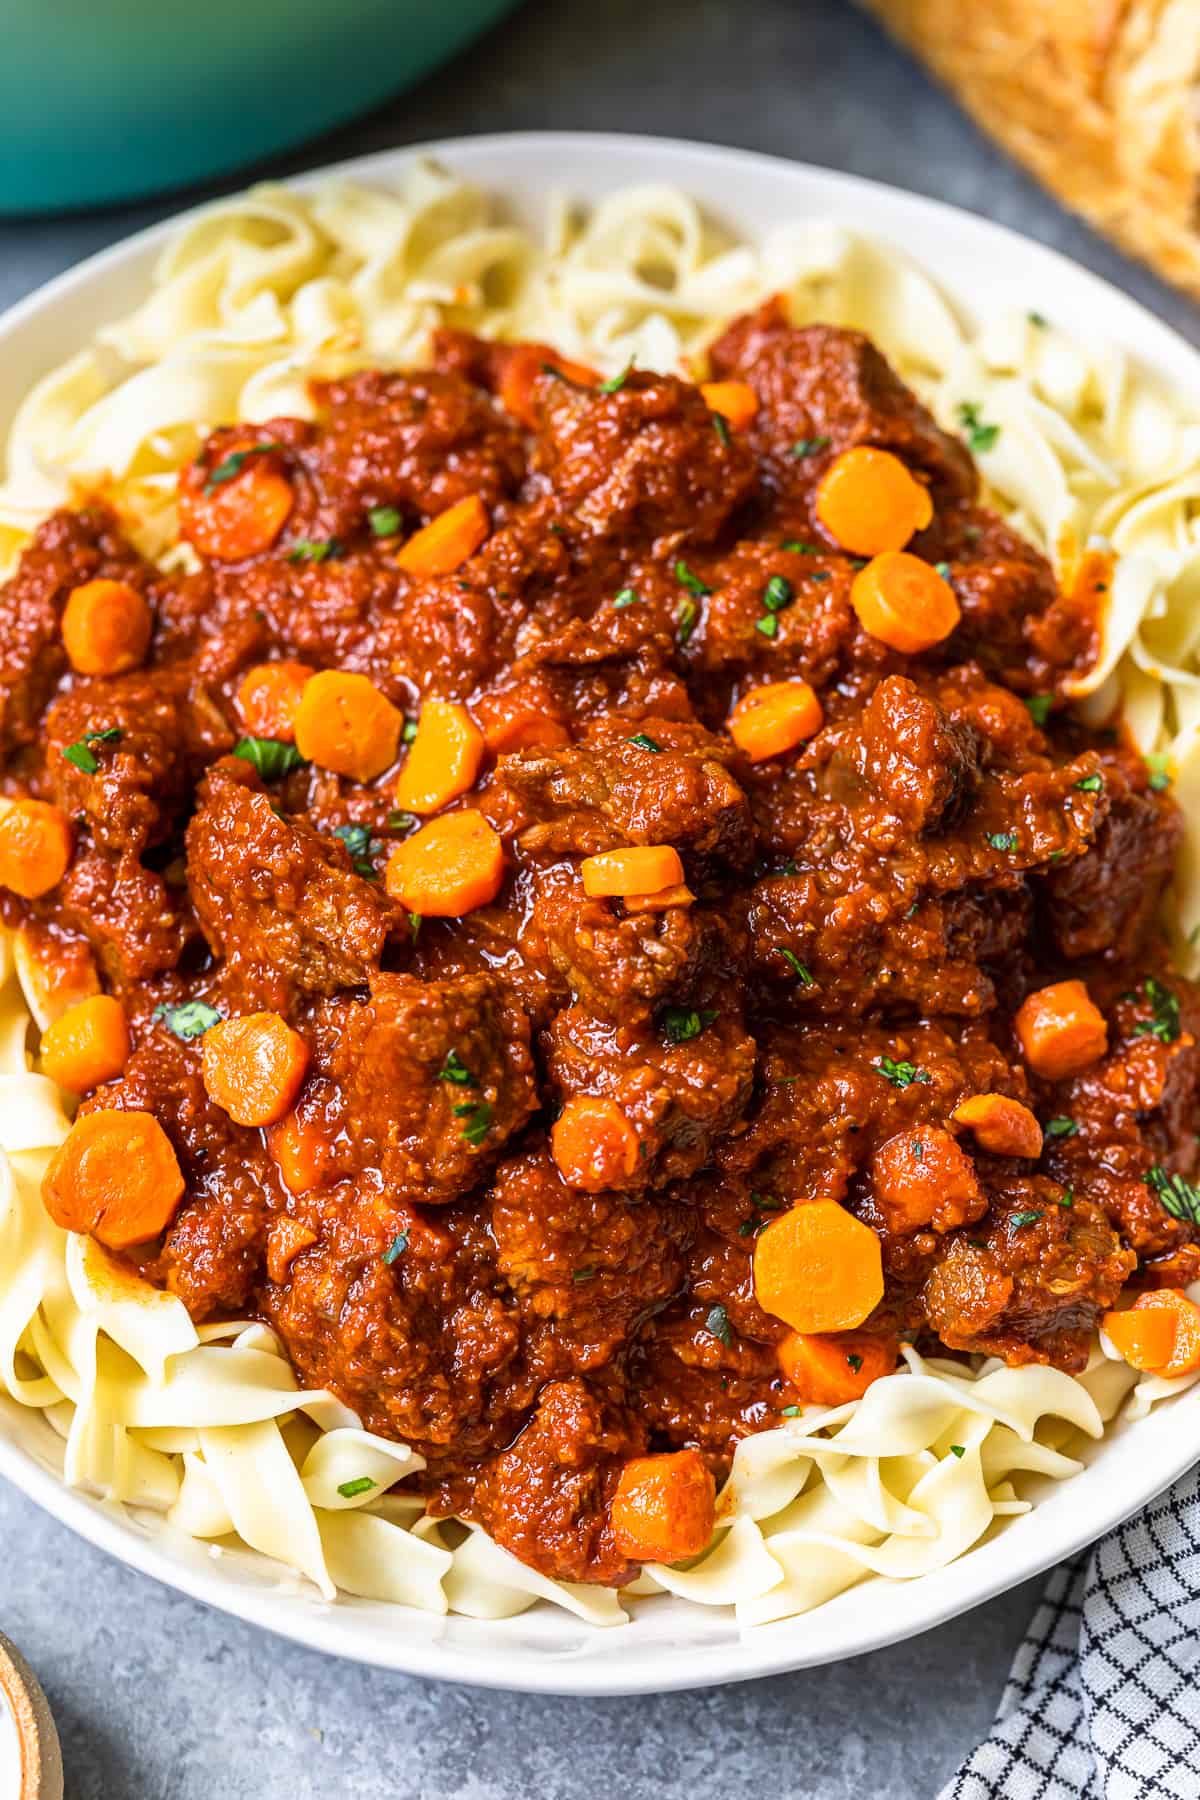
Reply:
x=107 y=100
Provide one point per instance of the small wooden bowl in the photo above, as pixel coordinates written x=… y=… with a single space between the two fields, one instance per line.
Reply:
x=37 y=1740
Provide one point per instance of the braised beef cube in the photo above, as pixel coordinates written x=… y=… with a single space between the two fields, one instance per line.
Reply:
x=921 y=763
x=1105 y=901
x=432 y=1079
x=279 y=902
x=137 y=922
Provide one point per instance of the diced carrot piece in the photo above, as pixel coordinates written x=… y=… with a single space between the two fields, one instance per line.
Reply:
x=448 y=868
x=669 y=896
x=253 y=1067
x=643 y=869
x=818 y=1268
x=269 y=699
x=922 y=1178
x=664 y=1508
x=829 y=1368
x=1001 y=1125
x=286 y=1238
x=774 y=718
x=1160 y=1333
x=1060 y=1030
x=446 y=542
x=36 y=842
x=443 y=759
x=344 y=723
x=593 y=1144
x=904 y=602
x=116 y=1176
x=238 y=506
x=523 y=365
x=87 y=1044
x=106 y=627
x=302 y=1153
x=869 y=501
x=736 y=401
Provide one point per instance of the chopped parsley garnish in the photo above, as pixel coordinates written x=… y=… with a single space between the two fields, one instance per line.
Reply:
x=802 y=973
x=1036 y=318
x=616 y=382
x=626 y=597
x=768 y=625
x=1019 y=1220
x=477 y=1120
x=357 y=840
x=455 y=1070
x=959 y=1450
x=1159 y=765
x=1060 y=1127
x=689 y=612
x=810 y=446
x=415 y=921
x=778 y=594
x=384 y=521
x=979 y=436
x=272 y=759
x=314 y=550
x=721 y=428
x=942 y=569
x=643 y=741
x=81 y=753
x=587 y=1273
x=396 y=1248
x=762 y=1203
x=408 y=731
x=1091 y=784
x=789 y=1412
x=350 y=1490
x=1067 y=1197
x=679 y=1024
x=234 y=463
x=718 y=1323
x=798 y=547
x=1039 y=707
x=190 y=1019
x=1175 y=1193
x=855 y=1362
x=690 y=579
x=901 y=1074
x=1165 y=1025
x=401 y=821
x=1002 y=840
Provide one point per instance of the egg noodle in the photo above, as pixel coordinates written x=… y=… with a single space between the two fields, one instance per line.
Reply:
x=205 y=1425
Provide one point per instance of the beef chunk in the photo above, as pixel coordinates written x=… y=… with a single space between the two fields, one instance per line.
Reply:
x=281 y=903
x=1104 y=902
x=137 y=924
x=912 y=754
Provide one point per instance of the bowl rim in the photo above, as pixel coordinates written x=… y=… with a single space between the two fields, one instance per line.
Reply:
x=611 y=1662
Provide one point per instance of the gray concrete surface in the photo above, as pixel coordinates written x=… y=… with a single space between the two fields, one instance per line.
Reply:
x=158 y=1699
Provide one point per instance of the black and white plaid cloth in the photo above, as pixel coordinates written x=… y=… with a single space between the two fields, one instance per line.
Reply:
x=1103 y=1702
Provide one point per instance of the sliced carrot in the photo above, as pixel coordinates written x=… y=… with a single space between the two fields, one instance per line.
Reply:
x=286 y=1238
x=448 y=868
x=668 y=896
x=443 y=759
x=643 y=869
x=924 y=1177
x=664 y=1508
x=593 y=1144
x=736 y=401
x=904 y=602
x=774 y=718
x=1001 y=1125
x=869 y=501
x=238 y=506
x=115 y=1175
x=302 y=1152
x=1060 y=1030
x=827 y=1369
x=523 y=365
x=36 y=842
x=106 y=627
x=1160 y=1334
x=87 y=1044
x=446 y=542
x=818 y=1268
x=253 y=1067
x=344 y=723
x=269 y=698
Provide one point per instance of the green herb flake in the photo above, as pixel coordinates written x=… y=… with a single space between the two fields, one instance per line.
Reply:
x=314 y=550
x=1003 y=840
x=689 y=612
x=1039 y=708
x=81 y=754
x=1165 y=1025
x=627 y=597
x=190 y=1019
x=959 y=1450
x=691 y=580
x=979 y=436
x=810 y=446
x=588 y=1273
x=1159 y=765
x=768 y=625
x=384 y=521
x=615 y=383
x=234 y=463
x=1019 y=1220
x=408 y=731
x=455 y=1070
x=643 y=741
x=942 y=569
x=778 y=594
x=1038 y=319
x=1067 y=1197
x=350 y=1490
x=802 y=973
x=721 y=428
x=718 y=1324
x=477 y=1120
x=396 y=1248
x=357 y=839
x=789 y=1412
x=679 y=1024
x=402 y=821
x=855 y=1362
x=798 y=547
x=1175 y=1194
x=415 y=921
x=1091 y=784
x=1060 y=1127
x=269 y=756
x=901 y=1074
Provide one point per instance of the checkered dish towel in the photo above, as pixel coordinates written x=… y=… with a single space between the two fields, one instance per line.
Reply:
x=1103 y=1702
